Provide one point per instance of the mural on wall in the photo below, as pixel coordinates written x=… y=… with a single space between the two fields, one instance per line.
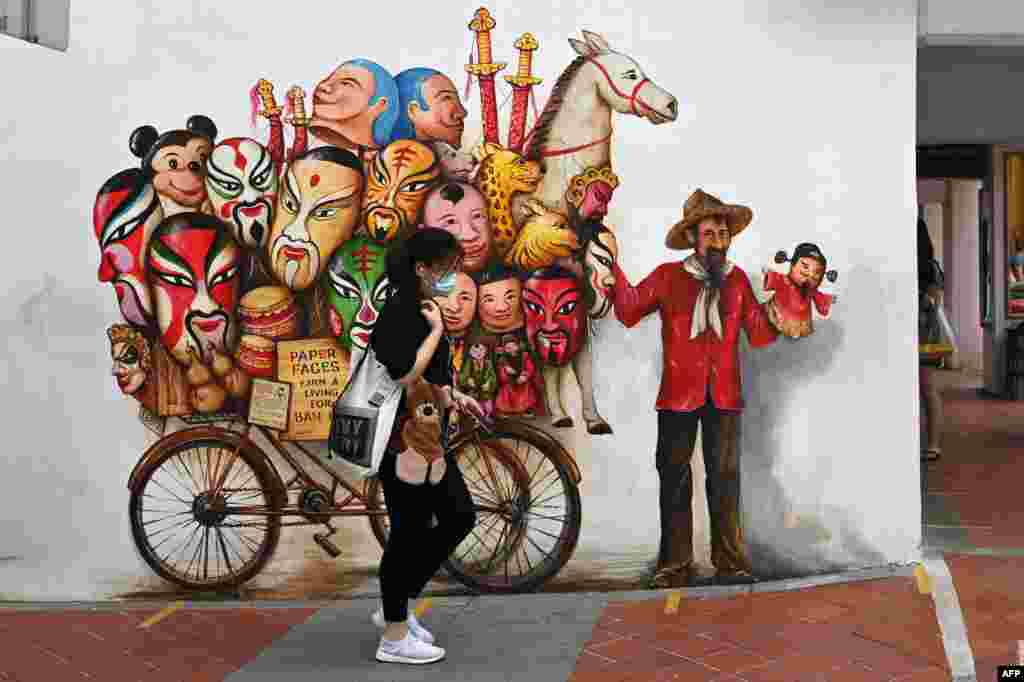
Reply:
x=234 y=259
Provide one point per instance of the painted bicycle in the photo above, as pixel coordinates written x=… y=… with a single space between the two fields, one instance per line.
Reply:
x=207 y=505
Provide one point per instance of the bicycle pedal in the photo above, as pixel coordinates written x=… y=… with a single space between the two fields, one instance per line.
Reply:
x=326 y=545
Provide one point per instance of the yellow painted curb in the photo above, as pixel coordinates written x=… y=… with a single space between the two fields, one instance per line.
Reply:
x=160 y=615
x=672 y=602
x=423 y=607
x=924 y=581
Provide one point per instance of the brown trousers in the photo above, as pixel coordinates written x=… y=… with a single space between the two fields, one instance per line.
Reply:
x=677 y=435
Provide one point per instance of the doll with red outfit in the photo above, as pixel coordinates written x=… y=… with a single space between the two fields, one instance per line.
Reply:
x=789 y=310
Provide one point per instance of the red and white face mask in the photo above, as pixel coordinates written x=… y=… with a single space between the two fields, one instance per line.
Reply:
x=126 y=212
x=193 y=270
x=555 y=318
x=242 y=182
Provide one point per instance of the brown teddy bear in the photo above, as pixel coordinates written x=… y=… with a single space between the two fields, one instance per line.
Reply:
x=423 y=456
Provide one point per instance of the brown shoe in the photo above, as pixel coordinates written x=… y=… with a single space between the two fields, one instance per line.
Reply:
x=676 y=576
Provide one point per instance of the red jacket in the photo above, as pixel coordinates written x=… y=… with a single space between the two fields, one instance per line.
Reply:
x=789 y=299
x=691 y=367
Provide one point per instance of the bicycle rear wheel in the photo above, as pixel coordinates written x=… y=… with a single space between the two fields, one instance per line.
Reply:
x=210 y=540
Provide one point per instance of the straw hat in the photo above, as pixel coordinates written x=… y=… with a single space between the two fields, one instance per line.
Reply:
x=701 y=205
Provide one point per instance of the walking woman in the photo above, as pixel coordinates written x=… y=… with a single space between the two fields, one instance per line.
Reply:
x=409 y=340
x=930 y=287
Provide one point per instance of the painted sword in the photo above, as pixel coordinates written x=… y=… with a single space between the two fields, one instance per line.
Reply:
x=264 y=91
x=482 y=24
x=522 y=83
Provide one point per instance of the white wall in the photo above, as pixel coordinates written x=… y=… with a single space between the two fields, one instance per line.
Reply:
x=805 y=114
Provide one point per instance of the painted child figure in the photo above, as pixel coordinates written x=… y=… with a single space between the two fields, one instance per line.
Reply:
x=517 y=395
x=790 y=308
x=477 y=377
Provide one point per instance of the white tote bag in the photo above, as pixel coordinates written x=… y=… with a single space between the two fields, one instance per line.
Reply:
x=364 y=413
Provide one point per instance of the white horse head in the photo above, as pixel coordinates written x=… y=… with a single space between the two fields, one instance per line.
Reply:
x=622 y=83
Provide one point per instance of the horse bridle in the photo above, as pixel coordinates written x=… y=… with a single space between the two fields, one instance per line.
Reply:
x=633 y=98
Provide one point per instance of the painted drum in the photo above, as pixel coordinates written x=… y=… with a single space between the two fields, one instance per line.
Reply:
x=256 y=356
x=270 y=312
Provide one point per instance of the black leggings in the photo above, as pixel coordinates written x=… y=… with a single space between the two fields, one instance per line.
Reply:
x=415 y=550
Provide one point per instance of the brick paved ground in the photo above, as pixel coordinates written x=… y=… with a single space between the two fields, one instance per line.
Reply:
x=108 y=645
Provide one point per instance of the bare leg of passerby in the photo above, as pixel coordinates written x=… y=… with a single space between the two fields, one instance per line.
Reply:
x=931 y=409
x=394 y=632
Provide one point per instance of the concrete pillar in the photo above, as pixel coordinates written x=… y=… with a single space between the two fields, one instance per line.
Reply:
x=964 y=259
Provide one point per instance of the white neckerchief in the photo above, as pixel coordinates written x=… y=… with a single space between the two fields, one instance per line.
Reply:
x=705 y=310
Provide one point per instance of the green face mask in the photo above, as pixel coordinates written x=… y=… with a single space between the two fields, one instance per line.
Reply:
x=356 y=289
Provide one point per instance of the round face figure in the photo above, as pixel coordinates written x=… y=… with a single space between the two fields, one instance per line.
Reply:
x=179 y=170
x=807 y=272
x=193 y=271
x=499 y=305
x=356 y=290
x=596 y=199
x=599 y=257
x=478 y=352
x=126 y=212
x=459 y=307
x=242 y=183
x=318 y=209
x=456 y=164
x=129 y=352
x=555 y=318
x=444 y=116
x=459 y=208
x=397 y=184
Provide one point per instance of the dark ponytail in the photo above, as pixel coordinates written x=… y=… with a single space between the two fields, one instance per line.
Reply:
x=427 y=245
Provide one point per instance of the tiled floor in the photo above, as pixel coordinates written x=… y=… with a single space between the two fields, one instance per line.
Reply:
x=876 y=630
x=107 y=645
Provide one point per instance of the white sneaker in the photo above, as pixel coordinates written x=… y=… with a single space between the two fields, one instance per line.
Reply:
x=417 y=630
x=409 y=650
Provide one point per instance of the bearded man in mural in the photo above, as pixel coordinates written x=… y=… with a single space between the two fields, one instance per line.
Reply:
x=193 y=271
x=430 y=109
x=356 y=290
x=318 y=211
x=704 y=302
x=355 y=107
x=126 y=212
x=398 y=180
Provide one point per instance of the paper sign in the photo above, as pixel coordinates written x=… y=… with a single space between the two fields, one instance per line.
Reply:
x=317 y=370
x=269 y=403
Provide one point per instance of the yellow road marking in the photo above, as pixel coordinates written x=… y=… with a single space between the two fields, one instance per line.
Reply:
x=672 y=602
x=160 y=615
x=924 y=581
x=423 y=607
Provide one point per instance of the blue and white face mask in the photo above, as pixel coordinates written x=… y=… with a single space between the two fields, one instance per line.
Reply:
x=446 y=284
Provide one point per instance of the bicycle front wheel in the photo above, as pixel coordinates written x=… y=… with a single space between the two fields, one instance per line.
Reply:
x=528 y=511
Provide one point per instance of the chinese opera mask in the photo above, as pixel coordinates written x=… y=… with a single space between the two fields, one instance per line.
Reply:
x=242 y=182
x=317 y=211
x=397 y=184
x=459 y=208
x=193 y=271
x=600 y=253
x=555 y=317
x=126 y=212
x=499 y=301
x=459 y=307
x=176 y=162
x=129 y=351
x=356 y=290
x=590 y=192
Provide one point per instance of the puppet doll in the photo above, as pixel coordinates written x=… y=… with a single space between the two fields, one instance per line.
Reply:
x=790 y=308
